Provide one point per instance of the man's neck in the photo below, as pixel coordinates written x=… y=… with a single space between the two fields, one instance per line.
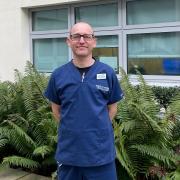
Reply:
x=84 y=62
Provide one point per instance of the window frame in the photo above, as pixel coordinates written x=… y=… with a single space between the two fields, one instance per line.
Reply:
x=99 y=3
x=150 y=78
x=117 y=33
x=51 y=36
x=150 y=25
x=49 y=8
x=49 y=33
x=121 y=30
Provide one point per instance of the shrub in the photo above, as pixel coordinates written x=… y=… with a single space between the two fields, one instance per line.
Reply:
x=165 y=94
x=28 y=132
x=144 y=139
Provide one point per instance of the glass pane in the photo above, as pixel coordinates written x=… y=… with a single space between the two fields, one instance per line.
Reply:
x=106 y=51
x=152 y=11
x=49 y=54
x=55 y=19
x=154 y=53
x=98 y=15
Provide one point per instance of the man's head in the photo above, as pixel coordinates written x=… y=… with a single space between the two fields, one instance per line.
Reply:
x=81 y=40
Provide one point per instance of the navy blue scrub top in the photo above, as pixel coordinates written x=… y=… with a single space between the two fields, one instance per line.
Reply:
x=85 y=134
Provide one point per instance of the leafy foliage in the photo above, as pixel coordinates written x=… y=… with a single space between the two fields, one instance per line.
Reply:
x=175 y=175
x=165 y=94
x=146 y=140
x=27 y=126
x=173 y=113
x=142 y=135
x=20 y=161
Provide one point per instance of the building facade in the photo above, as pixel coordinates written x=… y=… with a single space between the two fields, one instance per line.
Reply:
x=133 y=34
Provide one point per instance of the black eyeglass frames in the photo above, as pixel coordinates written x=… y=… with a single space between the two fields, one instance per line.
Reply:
x=77 y=37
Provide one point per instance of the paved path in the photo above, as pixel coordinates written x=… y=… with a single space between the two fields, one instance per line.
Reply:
x=16 y=174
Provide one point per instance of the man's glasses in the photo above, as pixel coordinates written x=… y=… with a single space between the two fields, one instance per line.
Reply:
x=86 y=37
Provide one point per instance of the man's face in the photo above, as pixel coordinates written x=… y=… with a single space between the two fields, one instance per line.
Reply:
x=81 y=40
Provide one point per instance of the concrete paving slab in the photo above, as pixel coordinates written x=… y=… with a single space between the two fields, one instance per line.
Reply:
x=11 y=174
x=18 y=174
x=34 y=177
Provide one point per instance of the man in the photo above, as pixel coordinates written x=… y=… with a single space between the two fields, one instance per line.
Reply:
x=84 y=95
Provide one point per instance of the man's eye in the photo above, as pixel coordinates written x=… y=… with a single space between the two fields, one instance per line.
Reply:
x=87 y=36
x=76 y=36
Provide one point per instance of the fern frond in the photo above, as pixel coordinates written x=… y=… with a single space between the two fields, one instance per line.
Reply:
x=18 y=76
x=164 y=155
x=16 y=141
x=128 y=89
x=123 y=157
x=43 y=150
x=175 y=175
x=19 y=121
x=153 y=124
x=52 y=139
x=40 y=135
x=22 y=133
x=174 y=106
x=146 y=92
x=50 y=126
x=21 y=162
x=3 y=142
x=34 y=116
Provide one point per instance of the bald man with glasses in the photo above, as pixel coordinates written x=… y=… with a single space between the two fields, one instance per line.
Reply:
x=84 y=95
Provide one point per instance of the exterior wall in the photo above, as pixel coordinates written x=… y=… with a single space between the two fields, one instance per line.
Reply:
x=15 y=48
x=38 y=3
x=14 y=34
x=14 y=37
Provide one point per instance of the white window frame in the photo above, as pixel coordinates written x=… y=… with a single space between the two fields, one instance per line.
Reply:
x=122 y=30
x=153 y=25
x=96 y=29
x=49 y=33
x=150 y=78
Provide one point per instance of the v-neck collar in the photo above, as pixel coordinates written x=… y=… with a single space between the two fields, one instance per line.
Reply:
x=76 y=74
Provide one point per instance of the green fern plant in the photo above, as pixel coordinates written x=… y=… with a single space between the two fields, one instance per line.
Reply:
x=21 y=162
x=175 y=175
x=142 y=136
x=173 y=114
x=31 y=133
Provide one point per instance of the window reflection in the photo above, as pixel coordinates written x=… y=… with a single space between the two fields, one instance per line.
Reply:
x=49 y=53
x=148 y=11
x=55 y=19
x=107 y=51
x=98 y=15
x=154 y=53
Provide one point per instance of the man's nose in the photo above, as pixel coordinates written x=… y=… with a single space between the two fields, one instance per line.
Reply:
x=81 y=39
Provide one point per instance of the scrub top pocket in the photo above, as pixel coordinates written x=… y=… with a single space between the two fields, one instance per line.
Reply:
x=101 y=88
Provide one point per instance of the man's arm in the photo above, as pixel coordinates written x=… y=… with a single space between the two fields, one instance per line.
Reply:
x=56 y=111
x=112 y=108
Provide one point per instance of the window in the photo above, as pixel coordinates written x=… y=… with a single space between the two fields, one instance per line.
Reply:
x=55 y=19
x=154 y=53
x=102 y=15
x=106 y=51
x=49 y=54
x=133 y=34
x=152 y=11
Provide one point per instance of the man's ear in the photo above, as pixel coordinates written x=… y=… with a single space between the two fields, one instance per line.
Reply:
x=95 y=42
x=68 y=41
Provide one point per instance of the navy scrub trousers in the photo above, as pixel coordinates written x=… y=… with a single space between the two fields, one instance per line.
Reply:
x=104 y=172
